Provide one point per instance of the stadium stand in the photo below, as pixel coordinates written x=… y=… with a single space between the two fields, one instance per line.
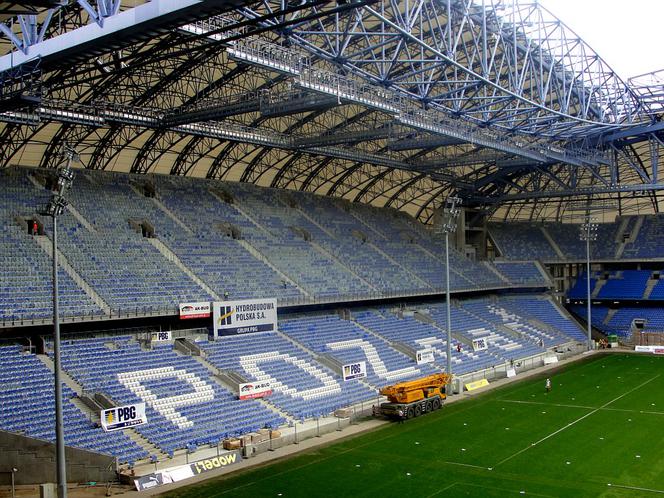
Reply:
x=301 y=386
x=347 y=342
x=28 y=405
x=178 y=391
x=522 y=273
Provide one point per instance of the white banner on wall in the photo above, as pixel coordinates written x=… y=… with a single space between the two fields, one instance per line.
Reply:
x=354 y=370
x=194 y=310
x=424 y=356
x=650 y=349
x=122 y=417
x=244 y=317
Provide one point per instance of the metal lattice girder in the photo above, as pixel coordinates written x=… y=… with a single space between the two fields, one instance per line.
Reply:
x=509 y=64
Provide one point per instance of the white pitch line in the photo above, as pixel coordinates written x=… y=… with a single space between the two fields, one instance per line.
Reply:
x=560 y=405
x=658 y=491
x=441 y=490
x=466 y=465
x=576 y=421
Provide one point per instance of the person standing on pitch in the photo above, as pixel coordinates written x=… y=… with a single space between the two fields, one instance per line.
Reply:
x=547 y=385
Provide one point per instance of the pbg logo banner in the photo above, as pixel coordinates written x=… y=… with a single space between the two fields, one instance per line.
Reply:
x=355 y=370
x=244 y=317
x=480 y=344
x=121 y=417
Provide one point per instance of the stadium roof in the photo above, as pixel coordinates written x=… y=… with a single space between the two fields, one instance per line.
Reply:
x=383 y=102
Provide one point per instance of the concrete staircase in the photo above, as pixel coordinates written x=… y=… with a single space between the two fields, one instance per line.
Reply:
x=633 y=234
x=242 y=212
x=47 y=245
x=94 y=416
x=649 y=287
x=172 y=216
x=598 y=287
x=261 y=257
x=552 y=242
x=396 y=263
x=339 y=262
x=495 y=271
x=173 y=258
x=609 y=316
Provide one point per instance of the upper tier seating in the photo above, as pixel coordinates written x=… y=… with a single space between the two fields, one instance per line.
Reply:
x=301 y=386
x=522 y=242
x=521 y=273
x=179 y=393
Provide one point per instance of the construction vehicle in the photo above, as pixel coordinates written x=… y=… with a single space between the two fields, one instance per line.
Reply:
x=415 y=397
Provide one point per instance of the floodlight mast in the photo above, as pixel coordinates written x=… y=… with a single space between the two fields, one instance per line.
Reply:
x=55 y=207
x=449 y=225
x=588 y=234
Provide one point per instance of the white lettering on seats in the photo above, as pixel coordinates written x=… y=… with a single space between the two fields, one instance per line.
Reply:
x=250 y=363
x=166 y=406
x=373 y=358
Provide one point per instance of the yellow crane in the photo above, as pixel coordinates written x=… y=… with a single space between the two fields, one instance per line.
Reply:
x=414 y=397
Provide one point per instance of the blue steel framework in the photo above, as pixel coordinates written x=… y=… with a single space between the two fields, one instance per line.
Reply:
x=400 y=103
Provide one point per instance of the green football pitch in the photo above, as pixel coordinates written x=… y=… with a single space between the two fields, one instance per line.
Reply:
x=599 y=432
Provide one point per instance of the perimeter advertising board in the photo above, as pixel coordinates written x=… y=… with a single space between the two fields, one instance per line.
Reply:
x=122 y=417
x=244 y=317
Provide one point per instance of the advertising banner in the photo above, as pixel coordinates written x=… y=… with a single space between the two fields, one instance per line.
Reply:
x=252 y=390
x=480 y=344
x=194 y=310
x=244 y=317
x=121 y=417
x=471 y=386
x=424 y=356
x=355 y=370
x=225 y=460
x=650 y=349
x=511 y=372
x=167 y=335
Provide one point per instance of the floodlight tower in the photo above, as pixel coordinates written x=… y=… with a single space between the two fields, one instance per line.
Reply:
x=588 y=233
x=55 y=208
x=449 y=225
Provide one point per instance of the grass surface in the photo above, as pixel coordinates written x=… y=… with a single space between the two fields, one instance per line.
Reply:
x=602 y=423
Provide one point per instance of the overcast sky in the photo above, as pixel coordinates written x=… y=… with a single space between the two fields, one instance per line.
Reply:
x=627 y=34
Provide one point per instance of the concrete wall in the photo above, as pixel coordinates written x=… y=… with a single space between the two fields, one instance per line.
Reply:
x=35 y=461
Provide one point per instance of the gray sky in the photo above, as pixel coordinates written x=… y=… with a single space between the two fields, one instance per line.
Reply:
x=627 y=34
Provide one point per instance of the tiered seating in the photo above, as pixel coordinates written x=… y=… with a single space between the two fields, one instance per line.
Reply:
x=184 y=405
x=301 y=386
x=419 y=335
x=470 y=326
x=580 y=288
x=121 y=265
x=238 y=272
x=348 y=343
x=27 y=406
x=546 y=312
x=522 y=242
x=513 y=321
x=648 y=243
x=26 y=277
x=629 y=284
x=521 y=273
x=297 y=258
x=567 y=238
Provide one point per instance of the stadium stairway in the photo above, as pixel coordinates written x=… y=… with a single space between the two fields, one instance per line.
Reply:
x=422 y=282
x=261 y=257
x=94 y=416
x=46 y=244
x=340 y=262
x=649 y=287
x=173 y=258
x=555 y=246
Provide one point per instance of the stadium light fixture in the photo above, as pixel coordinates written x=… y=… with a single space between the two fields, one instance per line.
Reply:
x=55 y=207
x=588 y=234
x=451 y=210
